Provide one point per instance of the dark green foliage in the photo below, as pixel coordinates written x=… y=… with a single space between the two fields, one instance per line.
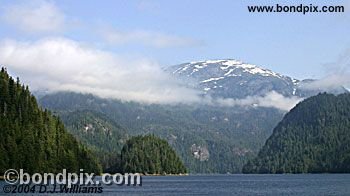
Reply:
x=34 y=140
x=104 y=137
x=150 y=155
x=313 y=137
x=231 y=134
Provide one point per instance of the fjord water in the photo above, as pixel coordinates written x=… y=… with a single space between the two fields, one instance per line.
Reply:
x=240 y=184
x=297 y=184
x=255 y=184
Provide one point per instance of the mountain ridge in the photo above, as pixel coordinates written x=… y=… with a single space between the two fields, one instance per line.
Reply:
x=202 y=134
x=230 y=135
x=230 y=78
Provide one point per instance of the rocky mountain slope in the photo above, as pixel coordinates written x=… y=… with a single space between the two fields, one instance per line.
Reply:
x=230 y=78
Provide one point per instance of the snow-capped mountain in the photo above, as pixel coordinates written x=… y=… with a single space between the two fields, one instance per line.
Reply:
x=230 y=78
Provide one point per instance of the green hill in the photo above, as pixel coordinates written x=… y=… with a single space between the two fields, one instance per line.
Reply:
x=33 y=139
x=313 y=137
x=150 y=155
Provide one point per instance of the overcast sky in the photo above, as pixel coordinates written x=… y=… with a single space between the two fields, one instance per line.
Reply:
x=123 y=39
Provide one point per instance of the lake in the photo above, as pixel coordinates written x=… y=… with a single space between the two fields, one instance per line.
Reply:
x=240 y=184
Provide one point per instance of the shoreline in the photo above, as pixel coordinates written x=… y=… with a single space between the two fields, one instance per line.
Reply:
x=141 y=174
x=187 y=174
x=165 y=174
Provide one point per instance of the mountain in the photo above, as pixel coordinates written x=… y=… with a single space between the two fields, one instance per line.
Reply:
x=33 y=139
x=200 y=135
x=150 y=155
x=208 y=138
x=229 y=78
x=313 y=137
x=104 y=137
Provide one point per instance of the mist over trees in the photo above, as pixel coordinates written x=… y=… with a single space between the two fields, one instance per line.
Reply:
x=314 y=137
x=33 y=139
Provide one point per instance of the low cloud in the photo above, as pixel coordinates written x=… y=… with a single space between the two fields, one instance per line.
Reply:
x=338 y=75
x=271 y=99
x=330 y=82
x=36 y=16
x=148 y=38
x=59 y=64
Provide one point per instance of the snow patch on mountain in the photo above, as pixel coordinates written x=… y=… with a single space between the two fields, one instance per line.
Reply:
x=239 y=83
x=230 y=64
x=212 y=79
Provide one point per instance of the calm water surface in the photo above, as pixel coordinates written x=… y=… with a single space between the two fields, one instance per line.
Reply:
x=299 y=184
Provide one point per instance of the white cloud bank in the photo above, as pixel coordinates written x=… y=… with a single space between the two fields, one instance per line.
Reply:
x=338 y=75
x=59 y=64
x=35 y=17
x=331 y=81
x=62 y=64
x=271 y=99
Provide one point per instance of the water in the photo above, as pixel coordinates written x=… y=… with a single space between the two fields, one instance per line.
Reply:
x=299 y=184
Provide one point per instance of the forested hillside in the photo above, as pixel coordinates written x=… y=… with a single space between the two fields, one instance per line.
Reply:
x=150 y=155
x=104 y=137
x=33 y=139
x=201 y=135
x=313 y=137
